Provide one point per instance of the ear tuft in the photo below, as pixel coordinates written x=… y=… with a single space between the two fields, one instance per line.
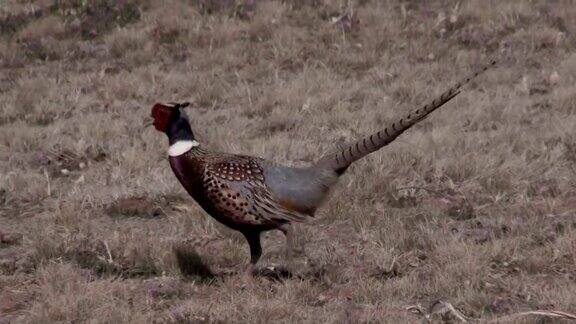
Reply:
x=183 y=105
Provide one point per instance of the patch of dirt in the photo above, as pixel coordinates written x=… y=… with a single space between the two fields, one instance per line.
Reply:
x=233 y=8
x=10 y=24
x=94 y=18
x=143 y=207
x=97 y=260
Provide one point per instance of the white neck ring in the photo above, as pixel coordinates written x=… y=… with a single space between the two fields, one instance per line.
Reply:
x=181 y=147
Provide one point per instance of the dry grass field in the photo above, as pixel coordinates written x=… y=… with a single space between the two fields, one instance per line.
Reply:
x=474 y=208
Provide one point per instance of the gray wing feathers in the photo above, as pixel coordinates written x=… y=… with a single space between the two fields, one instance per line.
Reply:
x=277 y=197
x=302 y=189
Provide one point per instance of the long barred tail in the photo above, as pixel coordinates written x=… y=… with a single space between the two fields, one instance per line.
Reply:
x=339 y=161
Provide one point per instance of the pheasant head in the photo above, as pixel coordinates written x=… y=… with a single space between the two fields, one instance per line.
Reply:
x=166 y=114
x=171 y=120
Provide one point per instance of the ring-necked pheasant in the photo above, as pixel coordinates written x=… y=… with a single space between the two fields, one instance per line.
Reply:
x=253 y=195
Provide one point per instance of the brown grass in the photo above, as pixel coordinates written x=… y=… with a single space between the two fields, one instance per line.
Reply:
x=471 y=214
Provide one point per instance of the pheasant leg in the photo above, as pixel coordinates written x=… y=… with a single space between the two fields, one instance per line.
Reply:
x=289 y=233
x=255 y=251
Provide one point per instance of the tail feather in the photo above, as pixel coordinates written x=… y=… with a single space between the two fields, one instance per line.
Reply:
x=339 y=161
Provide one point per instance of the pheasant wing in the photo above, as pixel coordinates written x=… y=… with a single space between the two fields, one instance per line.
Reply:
x=238 y=185
x=271 y=209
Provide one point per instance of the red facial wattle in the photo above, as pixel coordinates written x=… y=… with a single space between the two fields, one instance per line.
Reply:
x=161 y=115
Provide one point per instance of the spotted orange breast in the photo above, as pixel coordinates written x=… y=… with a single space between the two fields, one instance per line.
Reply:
x=228 y=187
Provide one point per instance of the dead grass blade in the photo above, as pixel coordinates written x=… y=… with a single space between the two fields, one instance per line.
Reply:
x=444 y=308
x=553 y=314
x=439 y=308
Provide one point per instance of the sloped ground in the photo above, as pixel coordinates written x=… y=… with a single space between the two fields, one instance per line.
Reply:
x=474 y=207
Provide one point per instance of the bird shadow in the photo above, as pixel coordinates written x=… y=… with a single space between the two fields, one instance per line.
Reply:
x=192 y=266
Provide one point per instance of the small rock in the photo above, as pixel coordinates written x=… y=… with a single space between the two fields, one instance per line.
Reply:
x=76 y=24
x=524 y=85
x=348 y=21
x=153 y=291
x=80 y=180
x=178 y=314
x=65 y=171
x=42 y=158
x=479 y=235
x=554 y=78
